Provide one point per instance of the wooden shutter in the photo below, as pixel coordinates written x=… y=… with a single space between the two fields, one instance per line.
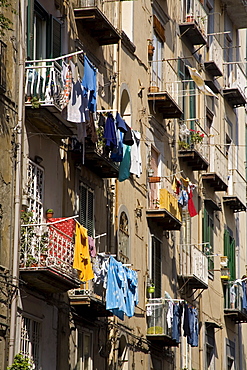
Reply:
x=86 y=213
x=83 y=205
x=159 y=29
x=90 y=213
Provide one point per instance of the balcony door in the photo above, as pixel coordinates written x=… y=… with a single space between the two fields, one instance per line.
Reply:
x=157 y=64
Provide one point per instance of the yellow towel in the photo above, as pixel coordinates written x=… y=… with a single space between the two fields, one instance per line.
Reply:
x=82 y=261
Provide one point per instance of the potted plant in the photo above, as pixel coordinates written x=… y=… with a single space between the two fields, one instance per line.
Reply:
x=20 y=363
x=151 y=287
x=150 y=48
x=49 y=213
x=196 y=136
x=183 y=145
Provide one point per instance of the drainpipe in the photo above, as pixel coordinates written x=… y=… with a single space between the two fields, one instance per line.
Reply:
x=15 y=267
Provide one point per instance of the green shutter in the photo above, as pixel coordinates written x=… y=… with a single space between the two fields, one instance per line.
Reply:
x=30 y=20
x=55 y=34
x=229 y=251
x=208 y=237
x=156 y=266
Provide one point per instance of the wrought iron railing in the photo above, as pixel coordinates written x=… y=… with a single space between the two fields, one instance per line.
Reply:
x=193 y=263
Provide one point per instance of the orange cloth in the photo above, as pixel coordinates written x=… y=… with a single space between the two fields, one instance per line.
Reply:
x=82 y=261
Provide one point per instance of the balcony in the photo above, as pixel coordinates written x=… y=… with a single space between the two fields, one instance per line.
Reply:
x=193 y=147
x=3 y=49
x=157 y=328
x=237 y=11
x=193 y=267
x=236 y=195
x=235 y=82
x=89 y=300
x=43 y=98
x=46 y=259
x=233 y=303
x=97 y=159
x=92 y=16
x=217 y=175
x=163 y=96
x=163 y=210
x=193 y=22
x=214 y=65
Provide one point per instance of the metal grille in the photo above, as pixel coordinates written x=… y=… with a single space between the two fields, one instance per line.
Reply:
x=35 y=190
x=30 y=339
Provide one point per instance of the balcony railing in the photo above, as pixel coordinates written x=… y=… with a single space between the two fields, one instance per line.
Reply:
x=217 y=175
x=193 y=146
x=193 y=266
x=236 y=195
x=164 y=209
x=91 y=297
x=193 y=22
x=99 y=18
x=235 y=82
x=164 y=94
x=46 y=258
x=214 y=65
x=157 y=326
x=233 y=302
x=43 y=83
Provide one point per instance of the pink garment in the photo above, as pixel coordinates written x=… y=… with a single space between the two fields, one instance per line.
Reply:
x=91 y=244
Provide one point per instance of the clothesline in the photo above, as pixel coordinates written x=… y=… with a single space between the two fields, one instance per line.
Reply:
x=52 y=223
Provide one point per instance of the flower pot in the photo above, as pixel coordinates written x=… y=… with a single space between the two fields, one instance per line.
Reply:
x=49 y=215
x=151 y=288
x=150 y=50
x=153 y=179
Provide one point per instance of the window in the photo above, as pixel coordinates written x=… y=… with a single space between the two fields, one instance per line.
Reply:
x=188 y=94
x=157 y=61
x=35 y=188
x=30 y=340
x=123 y=238
x=229 y=251
x=86 y=212
x=156 y=266
x=43 y=34
x=84 y=351
x=208 y=237
x=210 y=347
x=230 y=355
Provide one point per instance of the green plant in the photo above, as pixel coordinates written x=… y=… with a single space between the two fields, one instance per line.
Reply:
x=35 y=102
x=20 y=363
x=50 y=210
x=183 y=145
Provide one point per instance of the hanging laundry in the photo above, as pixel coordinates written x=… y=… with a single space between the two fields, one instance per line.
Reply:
x=110 y=132
x=100 y=268
x=65 y=95
x=183 y=198
x=191 y=206
x=176 y=185
x=169 y=316
x=131 y=296
x=82 y=261
x=128 y=137
x=91 y=246
x=116 y=286
x=121 y=124
x=75 y=109
x=176 y=323
x=135 y=154
x=117 y=152
x=192 y=338
x=101 y=121
x=124 y=168
x=89 y=83
x=90 y=128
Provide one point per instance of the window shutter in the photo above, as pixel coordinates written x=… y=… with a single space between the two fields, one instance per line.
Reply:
x=229 y=251
x=30 y=21
x=83 y=206
x=90 y=221
x=156 y=266
x=159 y=29
x=55 y=38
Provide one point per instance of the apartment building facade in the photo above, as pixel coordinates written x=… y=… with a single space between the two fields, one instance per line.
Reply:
x=130 y=122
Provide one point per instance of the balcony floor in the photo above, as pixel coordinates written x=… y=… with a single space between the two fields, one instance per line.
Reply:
x=212 y=68
x=89 y=305
x=214 y=181
x=236 y=315
x=193 y=282
x=193 y=33
x=162 y=340
x=234 y=203
x=165 y=104
x=164 y=218
x=100 y=27
x=234 y=97
x=48 y=120
x=194 y=159
x=48 y=280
